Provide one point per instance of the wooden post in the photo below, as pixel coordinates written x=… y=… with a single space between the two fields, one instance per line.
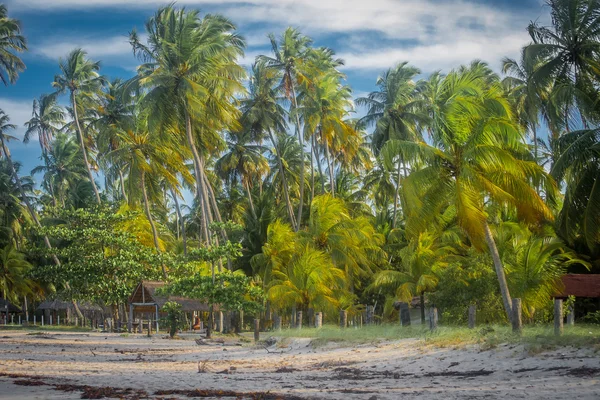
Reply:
x=34 y=319
x=19 y=319
x=343 y=318
x=220 y=320
x=157 y=318
x=299 y=320
x=293 y=321
x=318 y=320
x=571 y=316
x=130 y=318
x=256 y=329
x=277 y=324
x=558 y=317
x=369 y=315
x=472 y=315
x=433 y=318
x=404 y=314
x=517 y=325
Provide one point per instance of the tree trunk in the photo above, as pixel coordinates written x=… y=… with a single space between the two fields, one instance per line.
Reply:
x=83 y=150
x=301 y=141
x=397 y=198
x=506 y=300
x=286 y=192
x=252 y=210
x=181 y=221
x=122 y=185
x=151 y=220
x=422 y=298
x=321 y=175
x=330 y=168
x=312 y=168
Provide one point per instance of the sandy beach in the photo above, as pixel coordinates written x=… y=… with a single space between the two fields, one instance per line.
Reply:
x=90 y=365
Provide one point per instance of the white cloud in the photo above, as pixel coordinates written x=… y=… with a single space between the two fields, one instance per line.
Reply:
x=19 y=112
x=96 y=48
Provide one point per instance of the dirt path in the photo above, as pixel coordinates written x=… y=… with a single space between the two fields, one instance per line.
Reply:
x=99 y=364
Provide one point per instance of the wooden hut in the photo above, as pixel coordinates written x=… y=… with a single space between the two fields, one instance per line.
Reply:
x=65 y=309
x=582 y=286
x=144 y=299
x=7 y=308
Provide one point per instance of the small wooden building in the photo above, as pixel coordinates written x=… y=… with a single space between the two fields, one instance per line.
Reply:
x=66 y=311
x=144 y=299
x=7 y=308
x=585 y=287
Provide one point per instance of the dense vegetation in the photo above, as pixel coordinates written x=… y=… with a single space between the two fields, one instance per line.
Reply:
x=461 y=187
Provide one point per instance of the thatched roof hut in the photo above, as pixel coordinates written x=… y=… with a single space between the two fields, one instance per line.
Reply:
x=60 y=305
x=145 y=299
x=4 y=304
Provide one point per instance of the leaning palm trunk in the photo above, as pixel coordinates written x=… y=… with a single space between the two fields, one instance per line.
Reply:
x=330 y=167
x=122 y=185
x=33 y=214
x=151 y=220
x=506 y=300
x=396 y=196
x=286 y=192
x=181 y=221
x=252 y=210
x=83 y=150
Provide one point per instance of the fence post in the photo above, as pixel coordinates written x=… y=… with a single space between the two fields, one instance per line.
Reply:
x=256 y=329
x=404 y=314
x=571 y=315
x=433 y=318
x=472 y=315
x=517 y=325
x=299 y=320
x=278 y=322
x=318 y=320
x=343 y=318
x=370 y=312
x=558 y=317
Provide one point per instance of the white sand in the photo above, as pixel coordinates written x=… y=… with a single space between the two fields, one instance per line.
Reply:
x=402 y=369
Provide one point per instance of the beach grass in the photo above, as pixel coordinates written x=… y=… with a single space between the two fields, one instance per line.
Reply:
x=534 y=337
x=45 y=328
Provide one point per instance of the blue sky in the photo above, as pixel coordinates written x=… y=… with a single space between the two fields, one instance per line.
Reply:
x=370 y=35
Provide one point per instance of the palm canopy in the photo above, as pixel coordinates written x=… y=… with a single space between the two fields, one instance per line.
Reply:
x=47 y=119
x=11 y=42
x=14 y=269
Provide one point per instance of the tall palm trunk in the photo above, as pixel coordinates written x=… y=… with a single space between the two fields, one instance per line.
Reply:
x=321 y=175
x=151 y=220
x=252 y=209
x=286 y=192
x=83 y=150
x=198 y=176
x=330 y=167
x=301 y=141
x=32 y=212
x=312 y=168
x=506 y=300
x=180 y=219
x=397 y=196
x=122 y=185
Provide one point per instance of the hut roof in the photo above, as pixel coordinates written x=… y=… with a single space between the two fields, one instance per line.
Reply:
x=11 y=307
x=580 y=285
x=145 y=293
x=58 y=304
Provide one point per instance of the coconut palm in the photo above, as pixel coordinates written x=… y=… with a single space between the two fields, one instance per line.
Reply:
x=396 y=111
x=63 y=168
x=245 y=161
x=579 y=167
x=79 y=77
x=477 y=156
x=192 y=78
x=568 y=52
x=11 y=42
x=46 y=121
x=14 y=269
x=290 y=52
x=416 y=273
x=263 y=115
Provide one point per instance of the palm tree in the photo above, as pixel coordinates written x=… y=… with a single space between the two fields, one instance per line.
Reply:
x=46 y=121
x=11 y=41
x=289 y=53
x=14 y=269
x=568 y=52
x=420 y=261
x=263 y=115
x=477 y=156
x=192 y=79
x=245 y=161
x=579 y=167
x=79 y=76
x=63 y=168
x=396 y=111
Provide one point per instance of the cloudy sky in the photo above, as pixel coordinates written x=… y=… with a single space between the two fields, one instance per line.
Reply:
x=370 y=35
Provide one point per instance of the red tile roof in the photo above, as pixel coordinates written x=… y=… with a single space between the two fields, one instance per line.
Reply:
x=581 y=285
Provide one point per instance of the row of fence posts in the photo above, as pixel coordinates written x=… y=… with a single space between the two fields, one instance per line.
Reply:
x=21 y=321
x=405 y=320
